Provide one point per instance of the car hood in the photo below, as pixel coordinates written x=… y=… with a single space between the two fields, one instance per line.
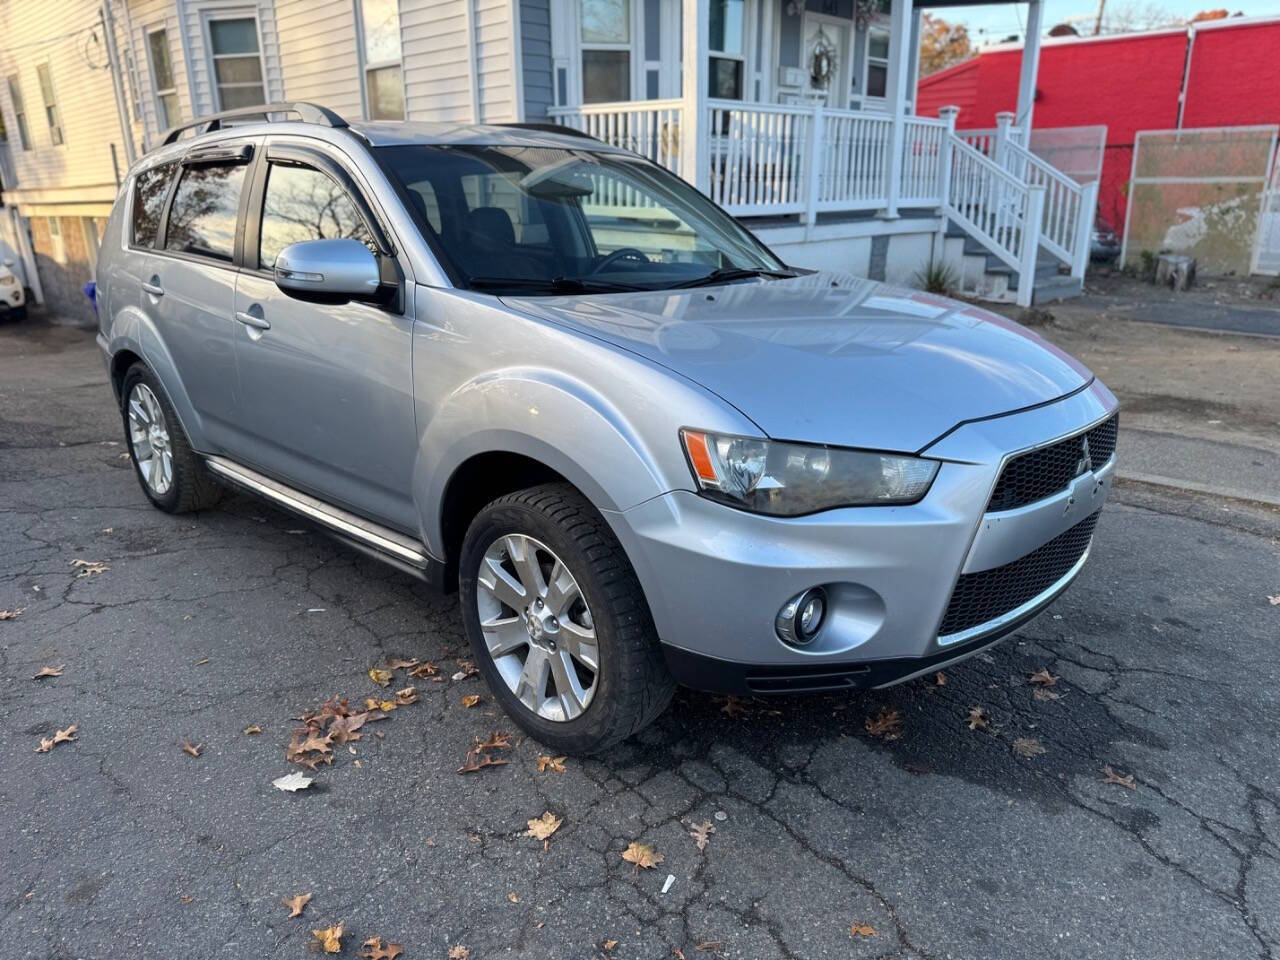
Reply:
x=829 y=358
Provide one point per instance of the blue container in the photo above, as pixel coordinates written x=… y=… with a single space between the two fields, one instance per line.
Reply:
x=91 y=291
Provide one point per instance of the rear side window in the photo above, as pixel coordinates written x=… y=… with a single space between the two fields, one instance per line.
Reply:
x=305 y=204
x=149 y=188
x=202 y=217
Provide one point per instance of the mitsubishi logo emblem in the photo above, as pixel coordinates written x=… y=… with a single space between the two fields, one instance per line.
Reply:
x=1085 y=464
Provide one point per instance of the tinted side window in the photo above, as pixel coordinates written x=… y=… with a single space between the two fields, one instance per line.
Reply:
x=149 y=188
x=202 y=219
x=305 y=204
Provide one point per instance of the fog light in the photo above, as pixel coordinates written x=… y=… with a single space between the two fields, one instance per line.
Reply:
x=800 y=618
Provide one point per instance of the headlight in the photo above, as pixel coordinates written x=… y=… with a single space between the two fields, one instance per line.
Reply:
x=788 y=479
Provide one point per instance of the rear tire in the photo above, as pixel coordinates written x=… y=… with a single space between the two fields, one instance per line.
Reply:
x=591 y=610
x=168 y=470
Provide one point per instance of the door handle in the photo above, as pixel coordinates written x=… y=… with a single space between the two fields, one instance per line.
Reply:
x=153 y=287
x=249 y=320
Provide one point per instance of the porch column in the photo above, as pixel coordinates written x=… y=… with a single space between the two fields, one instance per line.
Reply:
x=899 y=84
x=695 y=133
x=1030 y=68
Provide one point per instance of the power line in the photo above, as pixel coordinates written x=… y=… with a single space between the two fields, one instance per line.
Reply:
x=47 y=40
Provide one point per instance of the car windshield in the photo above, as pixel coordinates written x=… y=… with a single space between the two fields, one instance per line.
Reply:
x=549 y=220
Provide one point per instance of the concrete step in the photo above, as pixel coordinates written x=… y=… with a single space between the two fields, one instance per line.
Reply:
x=1062 y=287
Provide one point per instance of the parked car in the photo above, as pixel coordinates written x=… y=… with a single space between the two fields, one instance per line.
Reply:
x=1104 y=245
x=550 y=374
x=13 y=299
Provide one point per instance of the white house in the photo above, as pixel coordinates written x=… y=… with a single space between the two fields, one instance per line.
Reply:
x=795 y=115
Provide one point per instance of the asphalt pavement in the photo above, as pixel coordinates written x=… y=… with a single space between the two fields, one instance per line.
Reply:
x=886 y=824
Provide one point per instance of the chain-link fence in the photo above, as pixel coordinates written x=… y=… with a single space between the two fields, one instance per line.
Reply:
x=1198 y=192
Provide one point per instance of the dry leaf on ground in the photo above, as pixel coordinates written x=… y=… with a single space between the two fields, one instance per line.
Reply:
x=59 y=736
x=459 y=952
x=292 y=782
x=1126 y=781
x=400 y=663
x=379 y=676
x=701 y=833
x=554 y=764
x=375 y=950
x=1043 y=678
x=89 y=567
x=407 y=696
x=329 y=939
x=13 y=614
x=609 y=945
x=424 y=670
x=386 y=706
x=470 y=700
x=862 y=930
x=544 y=826
x=1273 y=600
x=642 y=855
x=50 y=671
x=939 y=679
x=496 y=741
x=887 y=723
x=191 y=748
x=731 y=706
x=252 y=728
x=1027 y=747
x=513 y=896
x=978 y=719
x=295 y=904
x=477 y=759
x=1044 y=694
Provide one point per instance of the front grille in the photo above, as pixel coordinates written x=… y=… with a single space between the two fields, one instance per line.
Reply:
x=989 y=594
x=1042 y=473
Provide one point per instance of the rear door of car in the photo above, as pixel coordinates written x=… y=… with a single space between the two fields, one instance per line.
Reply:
x=189 y=282
x=326 y=391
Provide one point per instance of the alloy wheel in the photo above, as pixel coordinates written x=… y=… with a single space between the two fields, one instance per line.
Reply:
x=149 y=438
x=537 y=627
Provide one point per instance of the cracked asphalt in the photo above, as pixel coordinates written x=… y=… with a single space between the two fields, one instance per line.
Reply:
x=944 y=841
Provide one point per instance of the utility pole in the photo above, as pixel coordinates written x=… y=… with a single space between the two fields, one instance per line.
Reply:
x=1097 y=24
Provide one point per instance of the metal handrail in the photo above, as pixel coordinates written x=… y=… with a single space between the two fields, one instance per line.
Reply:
x=307 y=112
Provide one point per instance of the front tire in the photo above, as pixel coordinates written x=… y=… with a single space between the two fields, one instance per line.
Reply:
x=558 y=622
x=168 y=470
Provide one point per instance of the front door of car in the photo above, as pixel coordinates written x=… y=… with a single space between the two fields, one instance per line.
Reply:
x=326 y=390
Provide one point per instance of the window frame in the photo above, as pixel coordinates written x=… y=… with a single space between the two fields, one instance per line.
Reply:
x=176 y=163
x=748 y=9
x=57 y=242
x=14 y=83
x=49 y=98
x=211 y=17
x=231 y=153
x=368 y=66
x=157 y=93
x=633 y=47
x=875 y=102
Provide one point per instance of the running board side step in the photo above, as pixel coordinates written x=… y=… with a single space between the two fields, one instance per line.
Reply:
x=374 y=539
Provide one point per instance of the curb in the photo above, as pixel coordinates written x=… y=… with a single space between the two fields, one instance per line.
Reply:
x=1169 y=483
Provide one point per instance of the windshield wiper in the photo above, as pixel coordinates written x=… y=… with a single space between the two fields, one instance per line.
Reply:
x=552 y=285
x=728 y=274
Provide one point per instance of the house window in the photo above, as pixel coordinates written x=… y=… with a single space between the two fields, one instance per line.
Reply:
x=57 y=249
x=237 y=64
x=727 y=45
x=383 y=86
x=50 y=104
x=877 y=81
x=20 y=112
x=606 y=50
x=163 y=88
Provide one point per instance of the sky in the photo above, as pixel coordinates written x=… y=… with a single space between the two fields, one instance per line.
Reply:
x=992 y=23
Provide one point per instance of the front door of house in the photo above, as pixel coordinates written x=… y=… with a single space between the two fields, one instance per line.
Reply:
x=824 y=59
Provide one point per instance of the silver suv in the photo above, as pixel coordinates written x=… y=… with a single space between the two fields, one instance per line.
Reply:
x=545 y=371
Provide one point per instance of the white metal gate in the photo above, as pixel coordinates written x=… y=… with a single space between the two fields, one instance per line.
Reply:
x=1266 y=247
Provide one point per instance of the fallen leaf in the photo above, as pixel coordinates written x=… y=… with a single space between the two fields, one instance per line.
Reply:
x=329 y=939
x=496 y=741
x=253 y=729
x=374 y=950
x=887 y=723
x=642 y=855
x=701 y=833
x=381 y=677
x=1043 y=694
x=470 y=700
x=731 y=706
x=1126 y=781
x=554 y=764
x=424 y=670
x=862 y=930
x=13 y=614
x=1027 y=747
x=512 y=896
x=467 y=667
x=50 y=671
x=544 y=826
x=708 y=945
x=978 y=719
x=59 y=736
x=185 y=899
x=1274 y=601
x=201 y=663
x=386 y=706
x=89 y=567
x=292 y=782
x=295 y=904
x=406 y=696
x=459 y=952
x=346 y=729
x=193 y=749
x=399 y=663
x=477 y=759
x=1043 y=678
x=939 y=679
x=609 y=945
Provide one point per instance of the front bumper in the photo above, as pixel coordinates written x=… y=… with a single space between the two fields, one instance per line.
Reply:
x=715 y=577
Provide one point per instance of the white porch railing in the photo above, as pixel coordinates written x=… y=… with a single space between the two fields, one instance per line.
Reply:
x=650 y=128
x=757 y=158
x=1068 y=206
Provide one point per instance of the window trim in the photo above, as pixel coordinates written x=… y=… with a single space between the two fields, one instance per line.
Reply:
x=52 y=115
x=366 y=66
x=19 y=103
x=209 y=17
x=157 y=94
x=193 y=158
x=867 y=100
x=56 y=241
x=633 y=47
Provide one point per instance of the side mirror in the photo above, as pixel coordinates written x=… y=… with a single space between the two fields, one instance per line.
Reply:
x=329 y=271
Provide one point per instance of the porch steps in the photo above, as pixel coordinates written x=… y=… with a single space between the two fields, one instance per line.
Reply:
x=987 y=277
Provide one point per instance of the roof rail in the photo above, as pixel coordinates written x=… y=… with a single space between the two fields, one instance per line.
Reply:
x=307 y=112
x=550 y=128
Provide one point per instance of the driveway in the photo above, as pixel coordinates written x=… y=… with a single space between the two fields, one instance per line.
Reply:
x=873 y=825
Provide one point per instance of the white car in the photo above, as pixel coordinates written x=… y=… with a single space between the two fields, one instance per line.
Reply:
x=13 y=301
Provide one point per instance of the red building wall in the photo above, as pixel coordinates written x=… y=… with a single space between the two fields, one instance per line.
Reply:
x=1129 y=83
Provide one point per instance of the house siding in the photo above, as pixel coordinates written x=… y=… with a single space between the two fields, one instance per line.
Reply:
x=437 y=57
x=319 y=56
x=134 y=23
x=535 y=46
